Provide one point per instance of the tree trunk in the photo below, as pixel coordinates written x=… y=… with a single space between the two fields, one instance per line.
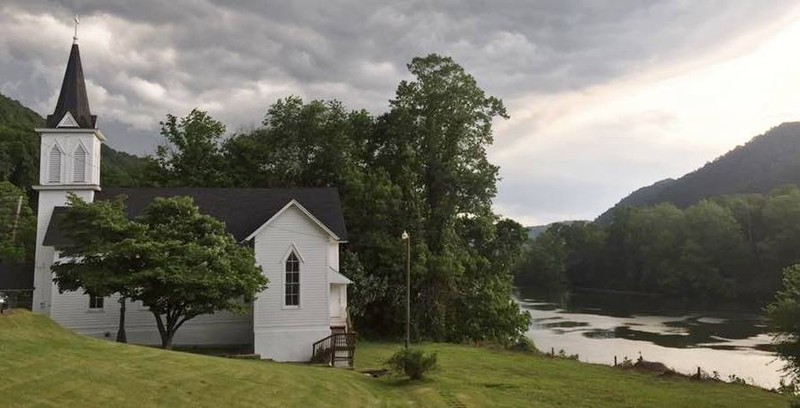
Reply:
x=166 y=341
x=122 y=337
x=168 y=328
x=162 y=332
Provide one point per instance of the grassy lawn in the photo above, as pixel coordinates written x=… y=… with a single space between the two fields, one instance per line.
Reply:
x=43 y=365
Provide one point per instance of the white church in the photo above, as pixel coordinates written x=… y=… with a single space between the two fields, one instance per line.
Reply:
x=296 y=235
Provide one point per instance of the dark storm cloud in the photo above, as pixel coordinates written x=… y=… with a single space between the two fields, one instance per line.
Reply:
x=146 y=58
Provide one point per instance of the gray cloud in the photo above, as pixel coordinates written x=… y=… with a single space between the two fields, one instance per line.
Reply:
x=148 y=58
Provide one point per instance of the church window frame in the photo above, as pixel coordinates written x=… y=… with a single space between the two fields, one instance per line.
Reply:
x=80 y=163
x=55 y=164
x=96 y=302
x=291 y=280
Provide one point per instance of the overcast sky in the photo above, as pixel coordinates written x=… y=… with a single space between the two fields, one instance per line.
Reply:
x=604 y=96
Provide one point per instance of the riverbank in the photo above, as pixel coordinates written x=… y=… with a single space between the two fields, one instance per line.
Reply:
x=43 y=364
x=602 y=327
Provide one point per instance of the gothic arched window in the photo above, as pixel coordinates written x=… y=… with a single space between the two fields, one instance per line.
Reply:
x=79 y=165
x=292 y=281
x=54 y=166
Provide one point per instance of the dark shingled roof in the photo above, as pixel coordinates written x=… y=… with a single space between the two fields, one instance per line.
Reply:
x=242 y=209
x=73 y=98
x=17 y=276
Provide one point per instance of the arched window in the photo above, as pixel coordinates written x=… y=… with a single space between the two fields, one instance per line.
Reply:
x=54 y=168
x=292 y=281
x=79 y=168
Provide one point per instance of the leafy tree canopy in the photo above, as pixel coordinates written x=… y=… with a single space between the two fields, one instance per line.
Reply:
x=784 y=317
x=192 y=155
x=729 y=248
x=178 y=262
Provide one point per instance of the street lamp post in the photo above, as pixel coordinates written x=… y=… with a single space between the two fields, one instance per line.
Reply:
x=407 y=238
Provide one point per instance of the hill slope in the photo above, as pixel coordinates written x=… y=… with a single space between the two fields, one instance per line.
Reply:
x=19 y=144
x=49 y=366
x=762 y=164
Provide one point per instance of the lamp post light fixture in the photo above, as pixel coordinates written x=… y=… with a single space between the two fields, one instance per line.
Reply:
x=406 y=237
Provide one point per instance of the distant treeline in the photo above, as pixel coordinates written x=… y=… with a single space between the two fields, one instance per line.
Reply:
x=729 y=248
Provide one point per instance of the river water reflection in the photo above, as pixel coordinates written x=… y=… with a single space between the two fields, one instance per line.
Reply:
x=599 y=326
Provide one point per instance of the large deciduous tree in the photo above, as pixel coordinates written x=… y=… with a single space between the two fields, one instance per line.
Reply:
x=178 y=262
x=192 y=266
x=192 y=154
x=433 y=144
x=784 y=318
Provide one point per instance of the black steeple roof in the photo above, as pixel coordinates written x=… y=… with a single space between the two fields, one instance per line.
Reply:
x=73 y=95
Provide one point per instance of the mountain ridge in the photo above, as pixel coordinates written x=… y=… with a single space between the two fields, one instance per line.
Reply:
x=767 y=161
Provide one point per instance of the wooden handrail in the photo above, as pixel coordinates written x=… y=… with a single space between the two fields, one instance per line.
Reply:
x=325 y=350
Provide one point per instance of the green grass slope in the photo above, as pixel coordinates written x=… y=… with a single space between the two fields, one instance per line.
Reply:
x=44 y=365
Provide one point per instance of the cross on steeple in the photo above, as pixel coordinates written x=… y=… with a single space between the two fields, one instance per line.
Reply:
x=75 y=37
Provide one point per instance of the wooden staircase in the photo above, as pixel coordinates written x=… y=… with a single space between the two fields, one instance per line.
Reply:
x=336 y=350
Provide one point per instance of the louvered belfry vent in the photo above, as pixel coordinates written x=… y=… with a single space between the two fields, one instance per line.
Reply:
x=79 y=169
x=54 y=168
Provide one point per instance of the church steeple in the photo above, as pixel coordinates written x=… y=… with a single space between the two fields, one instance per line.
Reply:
x=69 y=162
x=73 y=99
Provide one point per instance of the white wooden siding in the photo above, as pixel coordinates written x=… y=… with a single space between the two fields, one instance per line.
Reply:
x=43 y=277
x=293 y=227
x=333 y=254
x=71 y=310
x=338 y=307
x=68 y=143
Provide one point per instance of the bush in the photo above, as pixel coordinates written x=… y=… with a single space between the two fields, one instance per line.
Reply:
x=413 y=362
x=524 y=345
x=790 y=387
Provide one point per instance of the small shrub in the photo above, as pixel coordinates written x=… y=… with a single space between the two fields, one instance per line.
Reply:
x=626 y=363
x=735 y=379
x=413 y=362
x=524 y=345
x=794 y=402
x=790 y=387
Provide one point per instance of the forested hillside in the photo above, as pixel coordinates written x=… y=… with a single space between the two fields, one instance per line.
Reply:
x=762 y=164
x=19 y=144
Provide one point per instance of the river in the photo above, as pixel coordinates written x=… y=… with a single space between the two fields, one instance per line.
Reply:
x=599 y=326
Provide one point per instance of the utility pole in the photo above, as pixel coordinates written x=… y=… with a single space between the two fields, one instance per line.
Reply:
x=16 y=221
x=407 y=238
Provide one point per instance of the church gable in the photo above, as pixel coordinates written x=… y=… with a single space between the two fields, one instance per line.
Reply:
x=68 y=122
x=294 y=205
